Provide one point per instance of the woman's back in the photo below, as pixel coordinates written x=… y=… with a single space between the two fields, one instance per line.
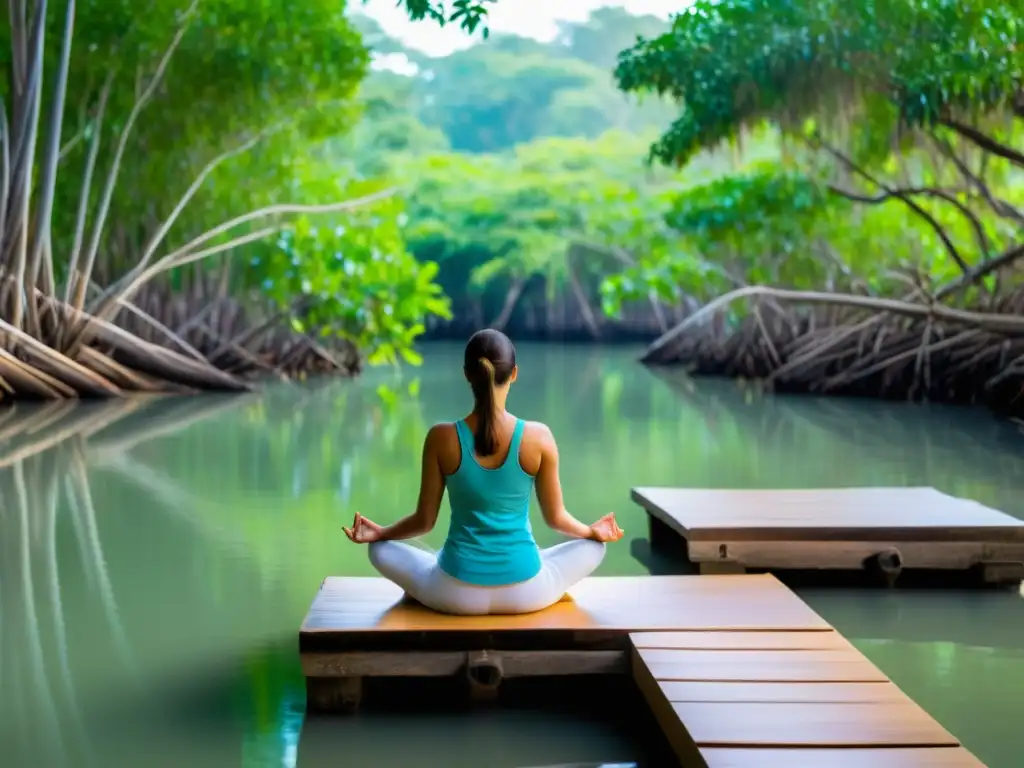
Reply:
x=490 y=541
x=489 y=463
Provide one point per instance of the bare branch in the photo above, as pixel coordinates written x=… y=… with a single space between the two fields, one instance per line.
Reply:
x=281 y=209
x=189 y=258
x=83 y=199
x=850 y=165
x=143 y=356
x=162 y=230
x=181 y=259
x=122 y=297
x=5 y=169
x=984 y=141
x=1005 y=259
x=148 y=319
x=23 y=163
x=48 y=171
x=115 y=166
x=102 y=305
x=188 y=254
x=903 y=193
x=1000 y=207
x=19 y=54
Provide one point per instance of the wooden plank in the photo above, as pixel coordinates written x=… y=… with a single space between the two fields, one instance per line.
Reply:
x=822 y=553
x=837 y=666
x=445 y=664
x=819 y=724
x=741 y=641
x=910 y=514
x=619 y=604
x=738 y=706
x=935 y=757
x=836 y=693
x=668 y=721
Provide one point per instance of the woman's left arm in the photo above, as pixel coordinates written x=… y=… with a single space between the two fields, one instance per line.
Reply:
x=431 y=492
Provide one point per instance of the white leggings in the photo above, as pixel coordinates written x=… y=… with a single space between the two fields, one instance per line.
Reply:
x=417 y=572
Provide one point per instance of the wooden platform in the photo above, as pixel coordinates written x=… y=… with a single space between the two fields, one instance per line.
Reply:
x=767 y=699
x=888 y=529
x=738 y=671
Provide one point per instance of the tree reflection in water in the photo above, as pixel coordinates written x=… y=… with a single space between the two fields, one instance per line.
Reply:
x=45 y=451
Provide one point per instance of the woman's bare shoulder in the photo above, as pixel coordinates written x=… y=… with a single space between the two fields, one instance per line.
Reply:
x=442 y=432
x=537 y=432
x=442 y=442
x=444 y=427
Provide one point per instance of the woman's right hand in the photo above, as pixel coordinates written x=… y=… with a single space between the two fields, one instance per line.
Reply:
x=606 y=529
x=363 y=531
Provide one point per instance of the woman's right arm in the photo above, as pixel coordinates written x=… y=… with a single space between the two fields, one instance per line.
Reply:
x=549 y=492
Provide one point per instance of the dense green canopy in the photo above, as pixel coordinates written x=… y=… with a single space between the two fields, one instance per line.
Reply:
x=865 y=146
x=734 y=63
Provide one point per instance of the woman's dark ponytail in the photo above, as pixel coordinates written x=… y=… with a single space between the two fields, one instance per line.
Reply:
x=489 y=362
x=485 y=440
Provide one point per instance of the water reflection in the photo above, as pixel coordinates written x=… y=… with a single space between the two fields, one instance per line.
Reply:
x=157 y=556
x=57 y=598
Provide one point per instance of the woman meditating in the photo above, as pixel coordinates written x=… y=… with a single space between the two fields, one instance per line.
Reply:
x=489 y=462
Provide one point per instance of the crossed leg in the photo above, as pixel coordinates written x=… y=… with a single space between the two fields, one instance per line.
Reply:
x=416 y=571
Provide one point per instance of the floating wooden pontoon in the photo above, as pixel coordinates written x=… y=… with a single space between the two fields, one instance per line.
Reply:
x=884 y=529
x=738 y=671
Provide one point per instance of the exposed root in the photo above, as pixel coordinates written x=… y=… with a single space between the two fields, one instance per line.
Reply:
x=53 y=348
x=900 y=350
x=223 y=348
x=245 y=339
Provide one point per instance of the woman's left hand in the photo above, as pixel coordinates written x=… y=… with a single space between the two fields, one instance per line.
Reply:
x=606 y=530
x=363 y=531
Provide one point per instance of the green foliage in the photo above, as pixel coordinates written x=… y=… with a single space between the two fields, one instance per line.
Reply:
x=389 y=127
x=241 y=67
x=352 y=277
x=773 y=226
x=512 y=90
x=468 y=14
x=753 y=227
x=240 y=70
x=879 y=80
x=515 y=216
x=733 y=63
x=739 y=206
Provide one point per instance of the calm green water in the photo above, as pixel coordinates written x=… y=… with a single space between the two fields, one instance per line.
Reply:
x=154 y=571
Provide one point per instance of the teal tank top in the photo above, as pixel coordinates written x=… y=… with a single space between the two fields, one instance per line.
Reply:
x=490 y=542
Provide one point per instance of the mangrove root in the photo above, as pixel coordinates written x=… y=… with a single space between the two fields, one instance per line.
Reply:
x=872 y=347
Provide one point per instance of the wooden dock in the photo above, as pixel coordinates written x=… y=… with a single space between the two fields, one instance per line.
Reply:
x=886 y=530
x=737 y=670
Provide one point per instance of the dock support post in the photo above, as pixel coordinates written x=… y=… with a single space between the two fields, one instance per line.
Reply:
x=662 y=536
x=335 y=695
x=887 y=565
x=484 y=674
